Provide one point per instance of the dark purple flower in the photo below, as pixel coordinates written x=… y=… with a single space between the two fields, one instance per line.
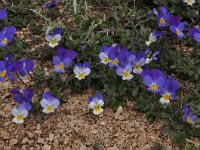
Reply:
x=176 y=26
x=117 y=56
x=2 y=70
x=6 y=36
x=23 y=97
x=188 y=117
x=168 y=91
x=27 y=65
x=162 y=16
x=3 y=13
x=153 y=79
x=50 y=4
x=63 y=59
x=103 y=55
x=137 y=61
x=195 y=33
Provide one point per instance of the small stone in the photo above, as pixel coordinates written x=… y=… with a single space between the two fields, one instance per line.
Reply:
x=13 y=141
x=102 y=123
x=51 y=137
x=46 y=147
x=41 y=140
x=5 y=135
x=38 y=132
x=66 y=140
x=113 y=148
x=25 y=140
x=31 y=135
x=83 y=147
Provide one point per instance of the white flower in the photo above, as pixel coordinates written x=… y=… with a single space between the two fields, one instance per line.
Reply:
x=20 y=114
x=125 y=72
x=189 y=2
x=81 y=72
x=53 y=39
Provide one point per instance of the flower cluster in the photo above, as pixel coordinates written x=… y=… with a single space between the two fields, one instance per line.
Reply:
x=14 y=68
x=176 y=27
x=156 y=82
x=188 y=117
x=3 y=13
x=125 y=62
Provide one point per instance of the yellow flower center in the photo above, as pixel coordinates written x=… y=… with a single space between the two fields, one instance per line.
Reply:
x=3 y=74
x=53 y=41
x=4 y=41
x=61 y=66
x=166 y=97
x=115 y=62
x=153 y=87
x=162 y=21
x=81 y=75
x=49 y=108
x=190 y=2
x=126 y=74
x=188 y=120
x=106 y=60
x=19 y=117
x=97 y=108
x=137 y=67
x=178 y=32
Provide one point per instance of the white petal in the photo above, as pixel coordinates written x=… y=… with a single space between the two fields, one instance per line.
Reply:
x=77 y=70
x=55 y=103
x=102 y=55
x=162 y=101
x=44 y=103
x=46 y=111
x=57 y=37
x=100 y=103
x=91 y=105
x=24 y=113
x=86 y=71
x=15 y=112
x=48 y=38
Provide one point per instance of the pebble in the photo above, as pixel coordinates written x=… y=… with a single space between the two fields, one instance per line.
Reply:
x=40 y=140
x=13 y=141
x=46 y=147
x=5 y=135
x=51 y=137
x=25 y=140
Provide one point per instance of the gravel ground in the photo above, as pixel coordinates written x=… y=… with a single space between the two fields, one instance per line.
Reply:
x=72 y=127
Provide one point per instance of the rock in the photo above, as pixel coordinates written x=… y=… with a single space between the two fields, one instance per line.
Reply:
x=102 y=123
x=31 y=135
x=13 y=141
x=112 y=148
x=51 y=137
x=83 y=147
x=46 y=147
x=40 y=140
x=55 y=143
x=25 y=140
x=5 y=135
x=38 y=132
x=121 y=141
x=142 y=136
x=66 y=140
x=118 y=114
